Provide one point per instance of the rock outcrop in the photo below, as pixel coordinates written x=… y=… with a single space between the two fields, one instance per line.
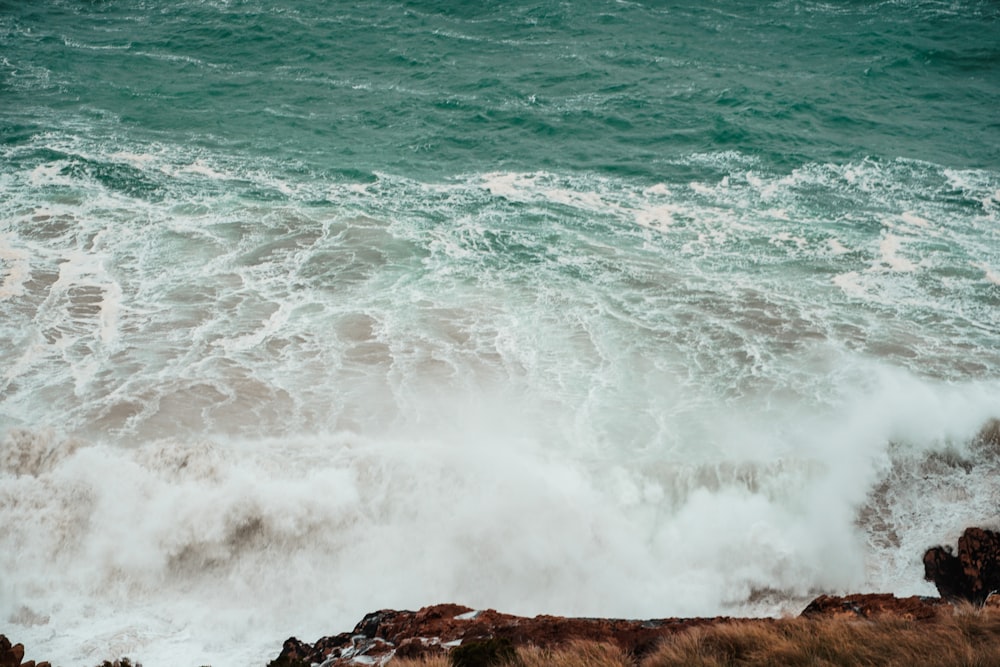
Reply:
x=873 y=605
x=434 y=630
x=971 y=574
x=12 y=655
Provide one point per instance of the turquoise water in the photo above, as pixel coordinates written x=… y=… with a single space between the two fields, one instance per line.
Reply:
x=620 y=89
x=308 y=309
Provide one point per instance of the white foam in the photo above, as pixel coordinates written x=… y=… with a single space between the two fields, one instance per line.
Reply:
x=94 y=47
x=889 y=248
x=507 y=184
x=110 y=311
x=273 y=323
x=49 y=174
x=281 y=401
x=786 y=237
x=202 y=169
x=659 y=190
x=836 y=247
x=850 y=283
x=911 y=218
x=201 y=532
x=991 y=275
x=767 y=188
x=135 y=159
x=656 y=217
x=18 y=269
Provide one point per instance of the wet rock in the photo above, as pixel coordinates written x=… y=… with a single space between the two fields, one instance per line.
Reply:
x=972 y=573
x=293 y=654
x=12 y=655
x=441 y=629
x=874 y=605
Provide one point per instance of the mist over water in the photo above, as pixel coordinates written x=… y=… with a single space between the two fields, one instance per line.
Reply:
x=599 y=309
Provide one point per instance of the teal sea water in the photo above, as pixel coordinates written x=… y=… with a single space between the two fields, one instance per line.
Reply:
x=630 y=309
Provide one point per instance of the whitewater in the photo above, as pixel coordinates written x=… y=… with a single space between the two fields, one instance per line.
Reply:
x=307 y=312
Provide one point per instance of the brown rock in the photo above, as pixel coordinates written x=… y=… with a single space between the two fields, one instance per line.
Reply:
x=13 y=655
x=293 y=652
x=874 y=605
x=10 y=655
x=970 y=575
x=437 y=629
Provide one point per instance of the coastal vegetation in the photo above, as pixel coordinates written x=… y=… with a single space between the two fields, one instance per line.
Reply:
x=960 y=636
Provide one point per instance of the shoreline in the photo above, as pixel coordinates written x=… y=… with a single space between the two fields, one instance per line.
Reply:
x=967 y=579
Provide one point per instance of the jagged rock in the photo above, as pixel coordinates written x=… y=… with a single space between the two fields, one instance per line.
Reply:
x=971 y=574
x=441 y=628
x=437 y=629
x=12 y=655
x=872 y=605
x=293 y=653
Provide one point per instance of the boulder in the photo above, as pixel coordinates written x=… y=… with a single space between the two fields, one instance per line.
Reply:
x=972 y=573
x=12 y=655
x=874 y=605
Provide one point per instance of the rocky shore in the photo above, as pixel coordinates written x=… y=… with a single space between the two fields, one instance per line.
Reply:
x=967 y=577
x=435 y=630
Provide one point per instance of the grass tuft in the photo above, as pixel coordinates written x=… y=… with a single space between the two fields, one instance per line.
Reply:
x=575 y=654
x=962 y=638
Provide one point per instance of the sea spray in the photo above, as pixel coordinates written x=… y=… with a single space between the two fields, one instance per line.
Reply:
x=592 y=309
x=497 y=511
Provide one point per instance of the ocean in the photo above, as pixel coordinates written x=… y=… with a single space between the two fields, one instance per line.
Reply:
x=600 y=308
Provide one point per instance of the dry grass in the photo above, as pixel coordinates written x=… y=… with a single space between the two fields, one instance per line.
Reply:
x=576 y=654
x=964 y=637
x=426 y=661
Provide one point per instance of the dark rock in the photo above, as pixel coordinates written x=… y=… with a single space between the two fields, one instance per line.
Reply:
x=483 y=653
x=411 y=647
x=971 y=574
x=873 y=605
x=439 y=629
x=10 y=655
x=450 y=628
x=293 y=654
x=370 y=624
x=943 y=568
